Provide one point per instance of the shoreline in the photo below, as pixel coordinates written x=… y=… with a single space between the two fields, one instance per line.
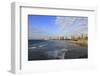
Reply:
x=83 y=43
x=80 y=42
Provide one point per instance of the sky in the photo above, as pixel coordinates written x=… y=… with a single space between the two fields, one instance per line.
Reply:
x=43 y=26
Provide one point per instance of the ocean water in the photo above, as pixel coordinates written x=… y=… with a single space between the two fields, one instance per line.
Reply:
x=54 y=49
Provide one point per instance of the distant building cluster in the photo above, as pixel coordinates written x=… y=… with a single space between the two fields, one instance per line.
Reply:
x=77 y=37
x=80 y=37
x=58 y=38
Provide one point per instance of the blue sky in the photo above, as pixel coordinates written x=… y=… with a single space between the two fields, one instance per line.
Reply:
x=42 y=26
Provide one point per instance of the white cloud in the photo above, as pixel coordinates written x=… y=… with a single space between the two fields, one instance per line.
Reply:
x=72 y=25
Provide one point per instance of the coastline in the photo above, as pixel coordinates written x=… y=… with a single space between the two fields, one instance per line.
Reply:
x=83 y=43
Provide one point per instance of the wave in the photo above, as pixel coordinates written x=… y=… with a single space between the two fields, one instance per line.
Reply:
x=57 y=53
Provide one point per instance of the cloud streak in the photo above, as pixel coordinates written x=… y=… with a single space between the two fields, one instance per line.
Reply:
x=72 y=25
